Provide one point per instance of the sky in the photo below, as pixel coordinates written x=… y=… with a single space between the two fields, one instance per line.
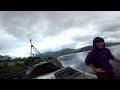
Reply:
x=55 y=30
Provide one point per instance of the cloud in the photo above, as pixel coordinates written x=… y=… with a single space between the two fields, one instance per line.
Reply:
x=54 y=30
x=47 y=23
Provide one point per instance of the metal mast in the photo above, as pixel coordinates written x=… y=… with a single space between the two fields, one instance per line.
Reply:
x=35 y=50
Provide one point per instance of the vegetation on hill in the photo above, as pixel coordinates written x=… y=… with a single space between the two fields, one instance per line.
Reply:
x=59 y=53
x=11 y=67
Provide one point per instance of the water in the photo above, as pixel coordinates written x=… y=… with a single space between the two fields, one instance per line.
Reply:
x=77 y=60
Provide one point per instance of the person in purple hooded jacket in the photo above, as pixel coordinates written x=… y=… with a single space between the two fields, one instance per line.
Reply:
x=98 y=59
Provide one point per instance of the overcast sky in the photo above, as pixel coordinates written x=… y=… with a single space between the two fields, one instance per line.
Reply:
x=55 y=30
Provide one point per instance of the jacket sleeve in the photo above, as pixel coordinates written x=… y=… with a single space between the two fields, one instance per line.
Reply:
x=89 y=59
x=110 y=55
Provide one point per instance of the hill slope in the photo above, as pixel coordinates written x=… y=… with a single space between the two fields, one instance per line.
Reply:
x=71 y=51
x=90 y=47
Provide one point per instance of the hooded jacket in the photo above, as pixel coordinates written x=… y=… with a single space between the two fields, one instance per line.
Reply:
x=100 y=58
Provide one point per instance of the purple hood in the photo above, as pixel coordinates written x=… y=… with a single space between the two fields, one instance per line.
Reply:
x=97 y=39
x=99 y=57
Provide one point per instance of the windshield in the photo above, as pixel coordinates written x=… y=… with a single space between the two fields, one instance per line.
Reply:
x=67 y=73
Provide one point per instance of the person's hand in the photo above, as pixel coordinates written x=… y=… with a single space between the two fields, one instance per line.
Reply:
x=99 y=70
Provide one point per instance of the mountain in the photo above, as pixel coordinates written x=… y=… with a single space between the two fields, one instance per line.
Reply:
x=1 y=57
x=87 y=48
x=5 y=57
x=60 y=53
x=71 y=51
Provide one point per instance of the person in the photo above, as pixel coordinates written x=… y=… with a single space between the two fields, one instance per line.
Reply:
x=99 y=58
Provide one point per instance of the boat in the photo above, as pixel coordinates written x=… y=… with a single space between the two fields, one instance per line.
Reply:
x=49 y=70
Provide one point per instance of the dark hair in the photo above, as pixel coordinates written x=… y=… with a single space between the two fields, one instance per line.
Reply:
x=99 y=39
